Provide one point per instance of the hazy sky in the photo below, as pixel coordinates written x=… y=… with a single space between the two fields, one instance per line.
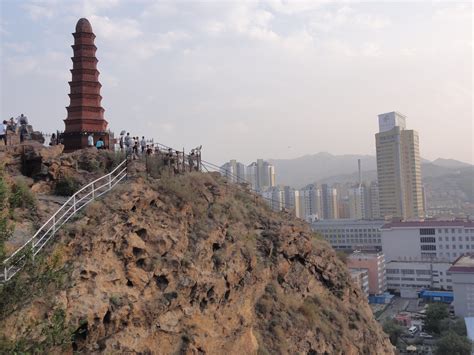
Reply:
x=271 y=79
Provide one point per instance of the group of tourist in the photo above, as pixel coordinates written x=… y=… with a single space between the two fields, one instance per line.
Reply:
x=17 y=125
x=176 y=161
x=133 y=146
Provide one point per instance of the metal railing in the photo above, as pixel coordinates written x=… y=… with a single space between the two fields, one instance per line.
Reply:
x=73 y=205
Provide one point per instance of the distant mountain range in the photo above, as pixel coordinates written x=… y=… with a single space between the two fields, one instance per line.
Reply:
x=325 y=167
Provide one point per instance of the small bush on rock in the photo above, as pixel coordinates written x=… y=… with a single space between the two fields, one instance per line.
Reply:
x=21 y=196
x=66 y=186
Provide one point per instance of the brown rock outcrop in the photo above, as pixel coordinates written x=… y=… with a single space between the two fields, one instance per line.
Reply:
x=193 y=265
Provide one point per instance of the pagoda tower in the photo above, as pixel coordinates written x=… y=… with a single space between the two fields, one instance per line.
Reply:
x=85 y=114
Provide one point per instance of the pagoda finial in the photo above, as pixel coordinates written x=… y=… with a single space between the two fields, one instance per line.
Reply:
x=83 y=25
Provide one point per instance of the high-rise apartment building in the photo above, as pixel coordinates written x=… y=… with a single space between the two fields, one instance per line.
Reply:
x=260 y=174
x=311 y=201
x=329 y=202
x=398 y=168
x=373 y=197
x=234 y=171
x=357 y=202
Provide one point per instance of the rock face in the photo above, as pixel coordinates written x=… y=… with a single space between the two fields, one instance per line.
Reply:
x=47 y=165
x=193 y=265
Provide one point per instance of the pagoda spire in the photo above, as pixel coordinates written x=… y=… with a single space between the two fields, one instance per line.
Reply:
x=85 y=114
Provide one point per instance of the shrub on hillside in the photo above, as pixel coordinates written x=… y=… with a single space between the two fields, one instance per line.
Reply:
x=21 y=196
x=66 y=186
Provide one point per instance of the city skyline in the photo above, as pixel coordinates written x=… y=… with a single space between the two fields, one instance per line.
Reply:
x=201 y=73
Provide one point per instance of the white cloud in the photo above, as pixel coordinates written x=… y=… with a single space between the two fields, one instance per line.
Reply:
x=115 y=29
x=20 y=66
x=152 y=44
x=167 y=127
x=288 y=7
x=370 y=50
x=347 y=16
x=39 y=10
x=160 y=9
x=371 y=21
x=454 y=12
x=19 y=47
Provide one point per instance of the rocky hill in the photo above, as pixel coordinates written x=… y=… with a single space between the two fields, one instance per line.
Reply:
x=192 y=265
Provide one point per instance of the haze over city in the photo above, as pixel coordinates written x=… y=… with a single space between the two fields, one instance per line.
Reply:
x=269 y=79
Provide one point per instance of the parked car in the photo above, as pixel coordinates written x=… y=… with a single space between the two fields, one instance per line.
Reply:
x=412 y=330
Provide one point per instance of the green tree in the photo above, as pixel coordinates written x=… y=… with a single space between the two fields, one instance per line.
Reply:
x=393 y=330
x=453 y=344
x=456 y=325
x=435 y=313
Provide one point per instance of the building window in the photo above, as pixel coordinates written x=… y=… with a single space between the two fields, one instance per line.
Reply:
x=428 y=247
x=427 y=231
x=427 y=239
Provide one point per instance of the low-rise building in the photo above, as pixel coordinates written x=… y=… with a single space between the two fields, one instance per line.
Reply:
x=427 y=240
x=409 y=277
x=361 y=278
x=462 y=274
x=351 y=234
x=374 y=263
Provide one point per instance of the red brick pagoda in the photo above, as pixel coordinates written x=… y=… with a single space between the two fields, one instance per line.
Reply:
x=85 y=114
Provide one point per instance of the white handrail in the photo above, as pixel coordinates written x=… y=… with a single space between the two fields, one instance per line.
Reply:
x=46 y=231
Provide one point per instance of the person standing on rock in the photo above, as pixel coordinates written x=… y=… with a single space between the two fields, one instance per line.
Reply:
x=191 y=160
x=127 y=140
x=135 y=148
x=143 y=144
x=90 y=140
x=121 y=142
x=3 y=132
